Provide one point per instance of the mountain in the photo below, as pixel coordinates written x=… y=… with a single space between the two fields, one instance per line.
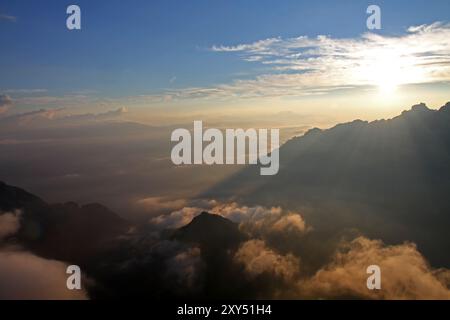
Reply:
x=217 y=237
x=211 y=232
x=67 y=232
x=386 y=178
x=193 y=261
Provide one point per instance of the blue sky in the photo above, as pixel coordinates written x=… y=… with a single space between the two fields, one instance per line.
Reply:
x=145 y=46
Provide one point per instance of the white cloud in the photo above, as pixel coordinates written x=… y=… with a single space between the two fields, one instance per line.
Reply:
x=419 y=52
x=252 y=220
x=176 y=219
x=60 y=116
x=7 y=17
x=25 y=91
x=26 y=276
x=261 y=220
x=312 y=66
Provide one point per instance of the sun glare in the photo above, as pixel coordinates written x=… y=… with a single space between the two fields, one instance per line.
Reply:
x=386 y=73
x=387 y=69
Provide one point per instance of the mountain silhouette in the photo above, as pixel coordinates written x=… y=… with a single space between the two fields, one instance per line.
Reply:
x=210 y=232
x=66 y=231
x=387 y=178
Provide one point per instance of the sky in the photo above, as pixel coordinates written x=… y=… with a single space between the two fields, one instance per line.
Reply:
x=72 y=105
x=192 y=55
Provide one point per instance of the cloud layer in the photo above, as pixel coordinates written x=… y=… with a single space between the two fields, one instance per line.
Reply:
x=304 y=66
x=24 y=275
x=252 y=220
x=405 y=273
x=276 y=256
x=258 y=259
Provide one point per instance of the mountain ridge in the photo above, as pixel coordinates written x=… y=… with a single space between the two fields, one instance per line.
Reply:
x=64 y=231
x=387 y=178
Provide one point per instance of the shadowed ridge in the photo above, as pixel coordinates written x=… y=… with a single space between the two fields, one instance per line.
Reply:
x=67 y=232
x=210 y=231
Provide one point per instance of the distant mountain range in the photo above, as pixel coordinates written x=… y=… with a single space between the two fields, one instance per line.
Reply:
x=67 y=232
x=127 y=263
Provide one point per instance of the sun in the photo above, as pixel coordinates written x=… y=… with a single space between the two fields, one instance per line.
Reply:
x=386 y=69
x=387 y=86
x=386 y=74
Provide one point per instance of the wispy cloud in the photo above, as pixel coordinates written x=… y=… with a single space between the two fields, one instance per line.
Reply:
x=58 y=117
x=423 y=54
x=24 y=91
x=44 y=100
x=5 y=103
x=6 y=17
x=312 y=66
x=304 y=66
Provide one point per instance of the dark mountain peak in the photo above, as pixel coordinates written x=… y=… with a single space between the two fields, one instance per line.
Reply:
x=420 y=107
x=210 y=231
x=208 y=218
x=358 y=122
x=416 y=110
x=207 y=221
x=344 y=128
x=416 y=113
x=313 y=131
x=352 y=124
